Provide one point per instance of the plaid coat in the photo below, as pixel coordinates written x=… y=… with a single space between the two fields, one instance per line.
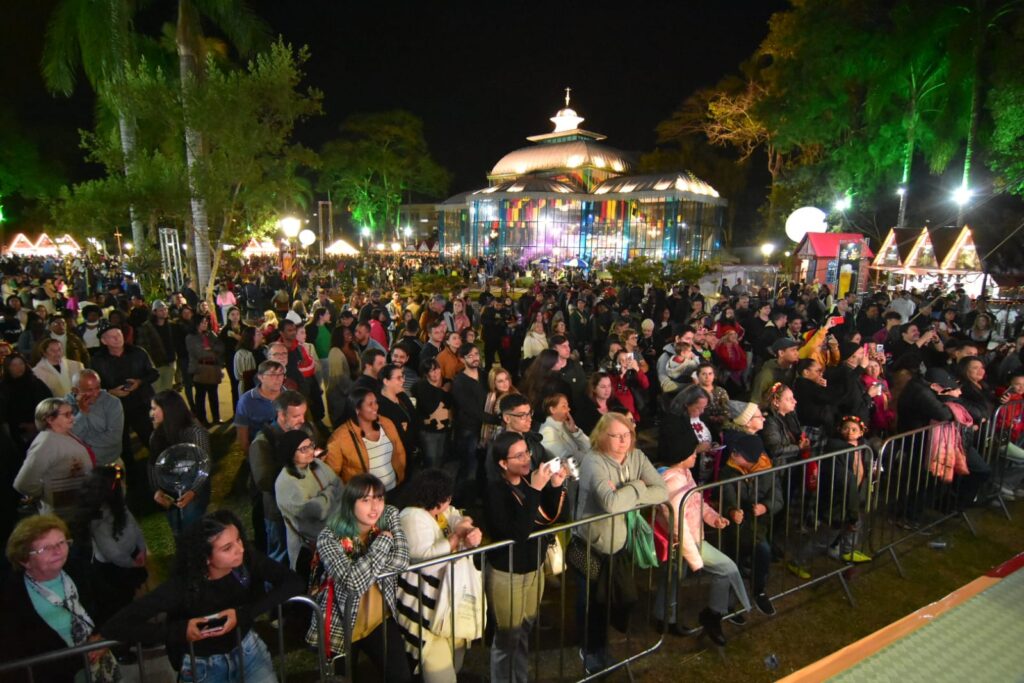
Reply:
x=353 y=576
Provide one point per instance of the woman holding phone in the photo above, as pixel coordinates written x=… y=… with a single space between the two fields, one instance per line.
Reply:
x=210 y=603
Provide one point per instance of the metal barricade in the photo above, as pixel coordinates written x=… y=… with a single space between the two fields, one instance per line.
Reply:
x=1002 y=453
x=547 y=665
x=28 y=663
x=910 y=499
x=807 y=512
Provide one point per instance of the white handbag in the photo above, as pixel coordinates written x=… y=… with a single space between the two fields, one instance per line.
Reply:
x=554 y=558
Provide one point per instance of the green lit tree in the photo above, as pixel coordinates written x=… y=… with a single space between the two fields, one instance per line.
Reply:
x=379 y=159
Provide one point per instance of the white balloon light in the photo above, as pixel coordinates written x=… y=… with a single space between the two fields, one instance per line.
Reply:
x=804 y=220
x=307 y=237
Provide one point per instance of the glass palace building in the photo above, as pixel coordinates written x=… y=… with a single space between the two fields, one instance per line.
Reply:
x=568 y=196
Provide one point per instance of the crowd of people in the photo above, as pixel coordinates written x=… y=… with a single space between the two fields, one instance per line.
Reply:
x=375 y=424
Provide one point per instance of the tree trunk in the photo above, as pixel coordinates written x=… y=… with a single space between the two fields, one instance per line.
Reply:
x=126 y=128
x=189 y=70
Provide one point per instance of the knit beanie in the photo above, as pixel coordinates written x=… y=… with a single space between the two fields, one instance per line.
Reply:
x=287 y=443
x=741 y=412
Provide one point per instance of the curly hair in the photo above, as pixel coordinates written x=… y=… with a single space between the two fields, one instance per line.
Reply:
x=428 y=489
x=101 y=489
x=195 y=545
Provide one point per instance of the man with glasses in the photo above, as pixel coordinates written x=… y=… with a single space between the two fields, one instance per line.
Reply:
x=517 y=417
x=255 y=408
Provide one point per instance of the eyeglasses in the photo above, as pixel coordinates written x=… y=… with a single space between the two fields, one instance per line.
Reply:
x=305 y=449
x=65 y=413
x=624 y=436
x=52 y=547
x=272 y=374
x=518 y=416
x=518 y=456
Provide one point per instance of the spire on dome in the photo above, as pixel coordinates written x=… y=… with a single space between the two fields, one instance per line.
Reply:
x=566 y=119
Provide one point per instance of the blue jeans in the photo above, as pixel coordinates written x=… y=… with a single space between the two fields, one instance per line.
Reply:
x=277 y=540
x=179 y=520
x=252 y=658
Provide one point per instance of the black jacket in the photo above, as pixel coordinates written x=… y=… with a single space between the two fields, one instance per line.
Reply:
x=918 y=406
x=469 y=396
x=781 y=436
x=816 y=406
x=134 y=363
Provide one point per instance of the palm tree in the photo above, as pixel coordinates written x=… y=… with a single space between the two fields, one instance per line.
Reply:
x=99 y=38
x=246 y=32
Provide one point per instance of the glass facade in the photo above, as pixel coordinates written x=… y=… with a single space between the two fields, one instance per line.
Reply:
x=561 y=228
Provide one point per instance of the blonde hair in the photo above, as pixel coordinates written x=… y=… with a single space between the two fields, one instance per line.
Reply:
x=599 y=437
x=492 y=377
x=270 y=318
x=19 y=543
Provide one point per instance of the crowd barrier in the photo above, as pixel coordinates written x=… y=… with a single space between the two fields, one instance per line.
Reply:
x=285 y=616
x=1006 y=469
x=818 y=512
x=807 y=510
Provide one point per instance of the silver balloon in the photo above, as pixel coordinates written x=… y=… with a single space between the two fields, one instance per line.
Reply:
x=181 y=468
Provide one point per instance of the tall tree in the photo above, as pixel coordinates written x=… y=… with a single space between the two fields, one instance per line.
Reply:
x=98 y=37
x=378 y=159
x=247 y=32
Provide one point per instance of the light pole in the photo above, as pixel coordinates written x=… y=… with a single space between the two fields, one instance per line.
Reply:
x=902 y=192
x=364 y=236
x=767 y=249
x=961 y=195
x=407 y=231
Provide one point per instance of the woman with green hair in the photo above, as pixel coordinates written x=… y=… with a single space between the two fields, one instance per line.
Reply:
x=359 y=552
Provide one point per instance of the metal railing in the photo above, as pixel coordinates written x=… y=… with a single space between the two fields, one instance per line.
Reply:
x=805 y=515
x=27 y=664
x=860 y=500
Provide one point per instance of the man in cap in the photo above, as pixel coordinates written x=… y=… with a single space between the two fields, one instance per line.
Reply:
x=780 y=368
x=127 y=373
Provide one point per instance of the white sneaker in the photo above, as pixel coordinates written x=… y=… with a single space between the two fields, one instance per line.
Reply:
x=1006 y=493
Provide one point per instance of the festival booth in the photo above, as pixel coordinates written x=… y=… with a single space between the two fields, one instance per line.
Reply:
x=255 y=248
x=921 y=257
x=43 y=246
x=341 y=248
x=840 y=260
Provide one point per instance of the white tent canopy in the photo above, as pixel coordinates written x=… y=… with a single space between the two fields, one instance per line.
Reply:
x=341 y=248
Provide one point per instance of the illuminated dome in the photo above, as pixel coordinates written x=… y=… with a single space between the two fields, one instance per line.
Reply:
x=560 y=156
x=530 y=185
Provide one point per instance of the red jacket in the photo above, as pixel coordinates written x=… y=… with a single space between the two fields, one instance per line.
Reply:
x=1011 y=416
x=620 y=390
x=732 y=357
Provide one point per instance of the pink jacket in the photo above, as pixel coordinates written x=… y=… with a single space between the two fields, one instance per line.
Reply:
x=678 y=483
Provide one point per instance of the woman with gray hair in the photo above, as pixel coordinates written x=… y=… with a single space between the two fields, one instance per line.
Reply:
x=57 y=462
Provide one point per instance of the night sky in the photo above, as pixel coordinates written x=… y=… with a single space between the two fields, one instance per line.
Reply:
x=482 y=76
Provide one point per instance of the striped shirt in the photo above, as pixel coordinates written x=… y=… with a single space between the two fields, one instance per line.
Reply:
x=379 y=453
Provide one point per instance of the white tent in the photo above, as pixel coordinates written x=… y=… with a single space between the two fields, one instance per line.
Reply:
x=341 y=248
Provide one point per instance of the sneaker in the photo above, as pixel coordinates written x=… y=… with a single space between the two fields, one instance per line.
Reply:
x=856 y=557
x=1007 y=493
x=764 y=604
x=593 y=662
x=740 y=619
x=798 y=571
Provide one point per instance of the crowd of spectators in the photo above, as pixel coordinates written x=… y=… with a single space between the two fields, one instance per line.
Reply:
x=374 y=423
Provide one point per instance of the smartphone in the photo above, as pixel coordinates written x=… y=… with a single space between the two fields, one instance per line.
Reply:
x=838 y=320
x=880 y=348
x=213 y=622
x=554 y=466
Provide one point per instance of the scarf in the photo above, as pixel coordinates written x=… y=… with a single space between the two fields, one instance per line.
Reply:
x=740 y=463
x=82 y=625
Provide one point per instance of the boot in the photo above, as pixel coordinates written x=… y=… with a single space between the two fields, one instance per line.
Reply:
x=712 y=623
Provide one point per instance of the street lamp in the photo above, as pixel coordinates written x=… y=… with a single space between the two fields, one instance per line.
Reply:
x=843 y=203
x=128 y=246
x=364 y=235
x=407 y=231
x=962 y=195
x=901 y=190
x=290 y=225
x=766 y=250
